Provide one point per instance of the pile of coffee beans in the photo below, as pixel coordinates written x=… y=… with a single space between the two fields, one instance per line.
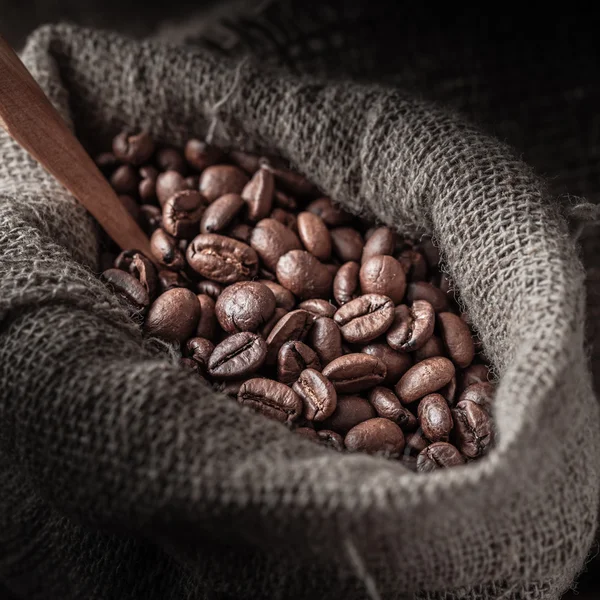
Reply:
x=343 y=330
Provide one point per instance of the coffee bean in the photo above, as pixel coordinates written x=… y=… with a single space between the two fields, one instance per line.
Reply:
x=421 y=290
x=365 y=318
x=170 y=159
x=396 y=363
x=189 y=364
x=383 y=275
x=387 y=406
x=237 y=356
x=356 y=372
x=123 y=260
x=318 y=307
x=241 y=232
x=449 y=391
x=169 y=280
x=266 y=329
x=293 y=358
x=414 y=265
x=200 y=350
x=346 y=285
x=145 y=272
x=230 y=388
x=474 y=373
x=293 y=326
x=218 y=180
x=135 y=149
x=479 y=393
x=266 y=274
x=106 y=162
x=314 y=235
x=271 y=398
x=222 y=259
x=127 y=287
x=168 y=184
x=332 y=215
x=424 y=378
x=182 y=213
x=457 y=338
x=431 y=253
x=271 y=240
x=201 y=155
x=347 y=244
x=164 y=249
x=292 y=182
x=284 y=201
x=349 y=412
x=307 y=432
x=285 y=218
x=415 y=443
x=331 y=439
x=125 y=180
x=245 y=306
x=150 y=218
x=326 y=339
x=440 y=455
x=283 y=297
x=174 y=315
x=435 y=418
x=303 y=274
x=220 y=213
x=208 y=320
x=258 y=195
x=317 y=394
x=473 y=430
x=246 y=160
x=381 y=241
x=412 y=327
x=210 y=288
x=432 y=347
x=376 y=436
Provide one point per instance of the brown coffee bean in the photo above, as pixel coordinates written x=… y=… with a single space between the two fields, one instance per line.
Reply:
x=301 y=273
x=220 y=213
x=473 y=428
x=414 y=265
x=283 y=297
x=457 y=338
x=318 y=307
x=271 y=398
x=106 y=162
x=345 y=284
x=169 y=280
x=222 y=259
x=123 y=260
x=200 y=350
x=258 y=195
x=210 y=288
x=332 y=215
x=376 y=436
x=173 y=316
x=307 y=432
x=424 y=378
x=314 y=235
x=415 y=443
x=421 y=290
x=145 y=272
x=125 y=180
x=241 y=232
x=440 y=455
x=431 y=253
x=237 y=356
x=387 y=406
x=396 y=363
x=365 y=318
x=326 y=339
x=449 y=391
x=245 y=306
x=201 y=155
x=147 y=184
x=284 y=201
x=266 y=329
x=381 y=242
x=182 y=213
x=355 y=372
x=246 y=160
x=230 y=388
x=317 y=394
x=479 y=393
x=150 y=218
x=474 y=373
x=347 y=244
x=349 y=412
x=293 y=326
x=292 y=359
x=133 y=148
x=271 y=240
x=165 y=251
x=127 y=287
x=412 y=326
x=168 y=184
x=383 y=275
x=432 y=347
x=285 y=218
x=435 y=418
x=292 y=182
x=218 y=180
x=208 y=320
x=170 y=159
x=331 y=439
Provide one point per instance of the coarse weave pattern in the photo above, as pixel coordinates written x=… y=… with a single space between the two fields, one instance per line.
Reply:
x=124 y=477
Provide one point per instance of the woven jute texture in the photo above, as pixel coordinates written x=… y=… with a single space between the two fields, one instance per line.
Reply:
x=124 y=477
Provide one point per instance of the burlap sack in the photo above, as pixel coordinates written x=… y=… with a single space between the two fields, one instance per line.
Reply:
x=123 y=477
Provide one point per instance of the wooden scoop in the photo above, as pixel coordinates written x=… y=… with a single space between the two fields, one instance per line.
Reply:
x=31 y=120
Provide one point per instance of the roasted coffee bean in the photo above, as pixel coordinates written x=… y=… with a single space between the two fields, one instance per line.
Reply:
x=127 y=287
x=220 y=213
x=314 y=235
x=431 y=253
x=174 y=315
x=381 y=242
x=479 y=393
x=258 y=195
x=387 y=406
x=246 y=160
x=435 y=418
x=190 y=365
x=266 y=274
x=376 y=436
x=150 y=218
x=169 y=280
x=396 y=363
x=271 y=398
x=271 y=240
x=326 y=339
x=474 y=373
x=182 y=213
x=292 y=182
x=170 y=159
x=231 y=388
x=284 y=201
x=106 y=162
x=222 y=259
x=421 y=290
x=147 y=185
x=365 y=318
x=424 y=378
x=218 y=180
x=293 y=326
x=123 y=260
x=383 y=275
x=293 y=358
x=201 y=155
x=473 y=428
x=241 y=232
x=345 y=284
x=445 y=285
x=318 y=307
x=192 y=182
x=208 y=320
x=165 y=251
x=332 y=215
x=301 y=273
x=449 y=391
x=356 y=372
x=245 y=306
x=307 y=432
x=347 y=244
x=266 y=329
x=317 y=394
x=412 y=326
x=133 y=148
x=414 y=265
x=457 y=338
x=144 y=271
x=349 y=412
x=285 y=218
x=200 y=350
x=433 y=347
x=331 y=439
x=210 y=288
x=283 y=297
x=168 y=184
x=237 y=356
x=125 y=180
x=415 y=443
x=440 y=455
